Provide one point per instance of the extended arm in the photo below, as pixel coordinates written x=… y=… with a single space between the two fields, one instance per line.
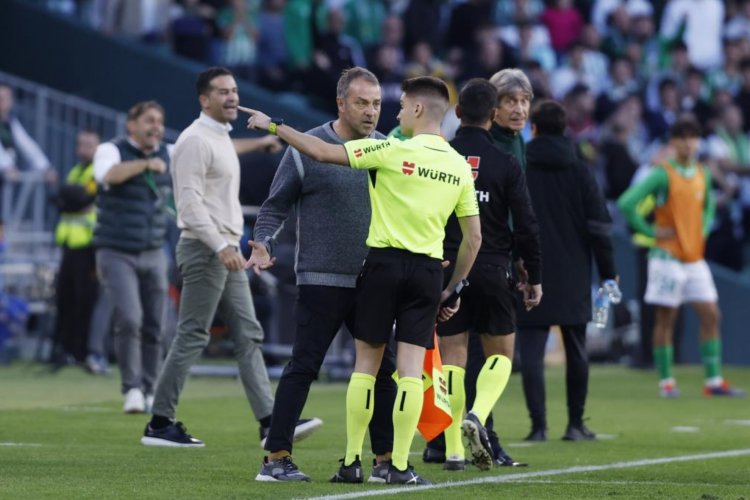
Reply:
x=267 y=144
x=307 y=144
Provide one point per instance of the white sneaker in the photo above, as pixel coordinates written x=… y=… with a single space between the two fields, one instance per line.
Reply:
x=134 y=402
x=148 y=403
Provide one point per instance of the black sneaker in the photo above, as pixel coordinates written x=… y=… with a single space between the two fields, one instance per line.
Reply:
x=578 y=433
x=174 y=435
x=282 y=469
x=504 y=460
x=304 y=427
x=407 y=476
x=454 y=463
x=479 y=443
x=351 y=473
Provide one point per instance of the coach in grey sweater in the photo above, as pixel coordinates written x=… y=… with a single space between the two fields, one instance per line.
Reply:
x=333 y=216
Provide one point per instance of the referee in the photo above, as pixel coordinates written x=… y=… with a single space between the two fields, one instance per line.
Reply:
x=414 y=186
x=488 y=305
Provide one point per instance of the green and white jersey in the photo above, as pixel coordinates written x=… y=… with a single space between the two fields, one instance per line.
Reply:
x=414 y=187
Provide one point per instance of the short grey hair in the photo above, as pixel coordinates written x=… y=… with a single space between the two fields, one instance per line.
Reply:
x=511 y=80
x=351 y=74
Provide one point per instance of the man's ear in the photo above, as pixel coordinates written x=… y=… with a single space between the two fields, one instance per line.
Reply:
x=203 y=100
x=418 y=109
x=533 y=130
x=340 y=104
x=459 y=111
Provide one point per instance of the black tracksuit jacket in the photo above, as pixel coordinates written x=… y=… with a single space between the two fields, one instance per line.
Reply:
x=501 y=190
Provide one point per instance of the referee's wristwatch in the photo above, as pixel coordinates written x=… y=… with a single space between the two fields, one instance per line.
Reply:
x=275 y=123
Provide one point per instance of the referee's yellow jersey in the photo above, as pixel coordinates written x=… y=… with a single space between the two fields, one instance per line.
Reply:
x=414 y=187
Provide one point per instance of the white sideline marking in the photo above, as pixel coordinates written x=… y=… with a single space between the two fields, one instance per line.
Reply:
x=542 y=473
x=86 y=409
x=19 y=445
x=737 y=422
x=519 y=445
x=684 y=428
x=606 y=436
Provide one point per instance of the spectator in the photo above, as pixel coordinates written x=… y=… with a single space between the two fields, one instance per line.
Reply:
x=240 y=33
x=573 y=224
x=743 y=96
x=334 y=52
x=465 y=20
x=273 y=53
x=730 y=147
x=193 y=30
x=728 y=76
x=564 y=23
x=533 y=45
x=511 y=12
x=18 y=151
x=129 y=239
x=694 y=96
x=422 y=24
x=144 y=21
x=659 y=119
x=393 y=38
x=575 y=71
x=619 y=85
x=365 y=20
x=581 y=127
x=699 y=23
x=618 y=164
x=77 y=285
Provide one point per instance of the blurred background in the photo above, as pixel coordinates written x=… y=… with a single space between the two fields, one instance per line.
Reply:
x=623 y=69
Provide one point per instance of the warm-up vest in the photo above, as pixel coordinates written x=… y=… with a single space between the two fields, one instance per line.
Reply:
x=76 y=229
x=683 y=211
x=131 y=215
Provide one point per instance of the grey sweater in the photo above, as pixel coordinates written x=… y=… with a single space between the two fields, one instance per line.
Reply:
x=332 y=206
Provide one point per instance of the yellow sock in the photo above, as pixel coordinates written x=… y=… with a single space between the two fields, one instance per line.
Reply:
x=457 y=396
x=360 y=399
x=490 y=385
x=406 y=411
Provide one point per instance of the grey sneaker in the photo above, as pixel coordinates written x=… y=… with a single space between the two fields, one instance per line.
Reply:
x=407 y=476
x=351 y=473
x=479 y=443
x=282 y=469
x=454 y=462
x=379 y=472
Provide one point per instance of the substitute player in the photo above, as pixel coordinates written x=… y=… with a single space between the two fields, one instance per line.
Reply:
x=677 y=272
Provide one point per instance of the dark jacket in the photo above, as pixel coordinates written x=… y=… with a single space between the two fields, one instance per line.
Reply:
x=501 y=189
x=573 y=223
x=131 y=215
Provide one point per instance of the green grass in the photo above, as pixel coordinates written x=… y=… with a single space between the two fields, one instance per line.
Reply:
x=78 y=444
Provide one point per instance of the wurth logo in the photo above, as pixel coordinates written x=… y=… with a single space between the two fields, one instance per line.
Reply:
x=357 y=153
x=473 y=162
x=436 y=175
x=407 y=168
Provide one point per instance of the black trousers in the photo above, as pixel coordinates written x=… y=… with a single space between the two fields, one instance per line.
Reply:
x=320 y=312
x=77 y=290
x=532 y=341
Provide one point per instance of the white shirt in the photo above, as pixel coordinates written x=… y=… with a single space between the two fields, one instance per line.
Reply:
x=25 y=147
x=108 y=155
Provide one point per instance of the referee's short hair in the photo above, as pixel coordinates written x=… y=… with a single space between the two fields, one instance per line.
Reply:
x=477 y=100
x=427 y=86
x=511 y=80
x=548 y=117
x=351 y=74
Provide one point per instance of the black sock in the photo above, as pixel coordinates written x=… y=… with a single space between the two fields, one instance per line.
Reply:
x=158 y=422
x=265 y=422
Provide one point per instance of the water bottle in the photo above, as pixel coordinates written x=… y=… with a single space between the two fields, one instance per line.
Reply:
x=608 y=293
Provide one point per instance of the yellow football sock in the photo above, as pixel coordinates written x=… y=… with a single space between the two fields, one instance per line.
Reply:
x=360 y=399
x=406 y=411
x=457 y=396
x=490 y=385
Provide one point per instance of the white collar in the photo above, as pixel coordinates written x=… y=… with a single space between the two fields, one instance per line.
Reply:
x=138 y=146
x=223 y=127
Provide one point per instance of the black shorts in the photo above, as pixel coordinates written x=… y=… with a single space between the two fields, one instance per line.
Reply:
x=402 y=286
x=488 y=304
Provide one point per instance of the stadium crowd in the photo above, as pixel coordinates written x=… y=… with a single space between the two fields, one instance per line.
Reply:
x=624 y=70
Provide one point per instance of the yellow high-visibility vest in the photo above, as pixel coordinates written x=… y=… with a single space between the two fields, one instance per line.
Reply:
x=76 y=229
